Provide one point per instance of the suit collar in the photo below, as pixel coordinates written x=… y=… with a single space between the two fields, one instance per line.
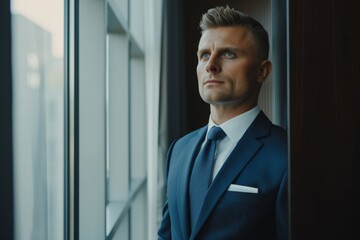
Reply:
x=237 y=126
x=234 y=165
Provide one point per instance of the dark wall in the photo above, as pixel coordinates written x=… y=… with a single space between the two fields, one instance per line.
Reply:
x=197 y=112
x=324 y=119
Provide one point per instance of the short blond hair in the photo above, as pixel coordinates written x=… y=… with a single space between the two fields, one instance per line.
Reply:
x=225 y=16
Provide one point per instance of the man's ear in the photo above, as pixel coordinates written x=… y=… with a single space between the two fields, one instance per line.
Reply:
x=264 y=71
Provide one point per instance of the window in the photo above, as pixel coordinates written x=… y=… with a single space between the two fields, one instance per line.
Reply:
x=126 y=122
x=38 y=113
x=113 y=119
x=85 y=105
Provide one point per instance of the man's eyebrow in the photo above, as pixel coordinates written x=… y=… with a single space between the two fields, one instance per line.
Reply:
x=203 y=50
x=222 y=49
x=233 y=49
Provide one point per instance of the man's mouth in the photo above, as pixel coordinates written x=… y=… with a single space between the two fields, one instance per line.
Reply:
x=213 y=81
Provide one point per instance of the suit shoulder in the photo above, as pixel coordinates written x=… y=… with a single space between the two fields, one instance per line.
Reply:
x=278 y=140
x=279 y=131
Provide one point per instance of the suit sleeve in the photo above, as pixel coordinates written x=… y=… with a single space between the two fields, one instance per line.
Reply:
x=282 y=217
x=164 y=232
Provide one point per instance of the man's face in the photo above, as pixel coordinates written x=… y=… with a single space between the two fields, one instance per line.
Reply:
x=228 y=70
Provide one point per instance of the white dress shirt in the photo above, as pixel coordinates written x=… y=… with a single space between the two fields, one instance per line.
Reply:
x=234 y=129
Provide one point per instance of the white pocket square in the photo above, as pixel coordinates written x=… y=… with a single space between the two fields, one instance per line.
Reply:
x=241 y=188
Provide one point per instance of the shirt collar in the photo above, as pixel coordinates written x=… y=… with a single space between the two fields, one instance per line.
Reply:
x=236 y=126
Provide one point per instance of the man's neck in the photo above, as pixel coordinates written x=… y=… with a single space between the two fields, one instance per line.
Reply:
x=220 y=114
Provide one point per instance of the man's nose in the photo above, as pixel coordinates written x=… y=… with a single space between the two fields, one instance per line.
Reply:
x=213 y=65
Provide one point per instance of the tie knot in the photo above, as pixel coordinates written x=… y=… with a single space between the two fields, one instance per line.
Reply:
x=216 y=133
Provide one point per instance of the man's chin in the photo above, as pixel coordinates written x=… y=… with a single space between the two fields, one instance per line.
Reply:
x=214 y=96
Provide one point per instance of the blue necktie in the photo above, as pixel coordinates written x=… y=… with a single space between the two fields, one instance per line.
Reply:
x=202 y=173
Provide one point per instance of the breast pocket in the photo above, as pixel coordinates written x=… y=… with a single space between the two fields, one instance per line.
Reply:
x=231 y=197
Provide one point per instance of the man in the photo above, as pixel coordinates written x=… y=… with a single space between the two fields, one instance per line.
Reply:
x=244 y=195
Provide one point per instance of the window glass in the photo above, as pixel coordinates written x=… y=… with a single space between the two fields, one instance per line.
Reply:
x=38 y=116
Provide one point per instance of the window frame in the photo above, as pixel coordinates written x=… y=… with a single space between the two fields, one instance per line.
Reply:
x=6 y=139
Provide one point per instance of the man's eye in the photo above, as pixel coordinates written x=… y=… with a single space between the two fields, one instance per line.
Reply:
x=204 y=56
x=229 y=54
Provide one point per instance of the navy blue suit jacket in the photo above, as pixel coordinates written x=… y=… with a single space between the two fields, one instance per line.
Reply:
x=258 y=160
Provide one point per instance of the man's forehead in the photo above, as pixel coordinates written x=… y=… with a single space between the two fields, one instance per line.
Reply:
x=231 y=35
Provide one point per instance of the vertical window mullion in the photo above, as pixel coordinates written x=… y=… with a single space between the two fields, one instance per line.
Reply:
x=6 y=125
x=91 y=157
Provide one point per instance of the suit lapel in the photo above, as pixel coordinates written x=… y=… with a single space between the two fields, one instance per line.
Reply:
x=187 y=158
x=234 y=165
